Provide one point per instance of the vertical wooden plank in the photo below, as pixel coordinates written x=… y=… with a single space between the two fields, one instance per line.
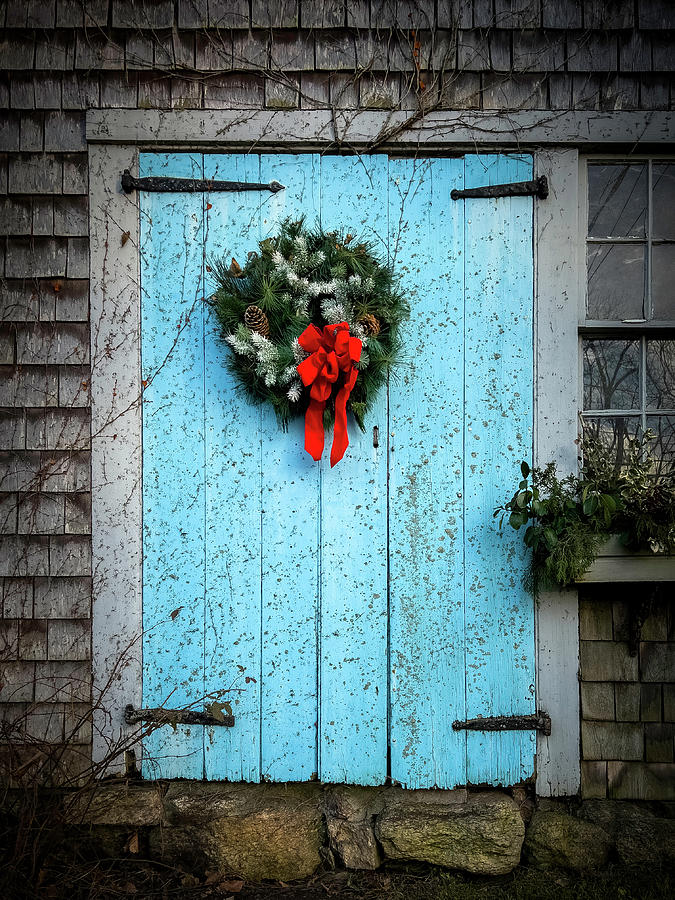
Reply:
x=353 y=634
x=172 y=347
x=115 y=451
x=233 y=503
x=290 y=523
x=426 y=450
x=556 y=408
x=498 y=435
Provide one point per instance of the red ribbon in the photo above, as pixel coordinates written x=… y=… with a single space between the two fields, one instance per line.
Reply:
x=332 y=350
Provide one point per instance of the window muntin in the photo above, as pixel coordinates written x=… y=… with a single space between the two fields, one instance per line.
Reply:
x=628 y=346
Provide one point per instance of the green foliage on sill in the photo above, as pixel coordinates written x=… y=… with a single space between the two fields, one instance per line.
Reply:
x=567 y=520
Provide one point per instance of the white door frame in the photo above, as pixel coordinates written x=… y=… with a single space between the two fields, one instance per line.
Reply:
x=115 y=137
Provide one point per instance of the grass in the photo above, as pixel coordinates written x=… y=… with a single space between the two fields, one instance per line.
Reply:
x=648 y=883
x=105 y=880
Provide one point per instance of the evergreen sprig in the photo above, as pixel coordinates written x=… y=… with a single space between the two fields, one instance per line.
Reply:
x=568 y=519
x=302 y=276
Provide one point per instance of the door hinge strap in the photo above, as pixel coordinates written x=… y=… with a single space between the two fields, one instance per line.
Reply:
x=541 y=721
x=160 y=716
x=538 y=187
x=156 y=183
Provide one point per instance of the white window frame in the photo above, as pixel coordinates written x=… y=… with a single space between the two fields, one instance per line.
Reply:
x=115 y=138
x=615 y=562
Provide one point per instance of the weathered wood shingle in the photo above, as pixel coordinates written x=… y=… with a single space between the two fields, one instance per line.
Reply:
x=35 y=174
x=274 y=13
x=98 y=51
x=32 y=132
x=609 y=14
x=64 y=131
x=656 y=14
x=17 y=52
x=35 y=256
x=149 y=14
x=55 y=51
x=592 y=52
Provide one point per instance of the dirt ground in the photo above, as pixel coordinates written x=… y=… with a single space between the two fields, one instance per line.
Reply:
x=124 y=879
x=522 y=884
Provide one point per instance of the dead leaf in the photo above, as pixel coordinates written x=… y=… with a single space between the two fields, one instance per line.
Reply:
x=145 y=382
x=125 y=237
x=235 y=268
x=209 y=205
x=215 y=710
x=176 y=612
x=226 y=884
x=57 y=286
x=132 y=845
x=209 y=269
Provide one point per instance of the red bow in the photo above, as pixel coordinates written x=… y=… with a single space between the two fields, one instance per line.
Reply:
x=333 y=350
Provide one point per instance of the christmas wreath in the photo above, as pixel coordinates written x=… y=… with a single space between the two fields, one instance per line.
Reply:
x=312 y=321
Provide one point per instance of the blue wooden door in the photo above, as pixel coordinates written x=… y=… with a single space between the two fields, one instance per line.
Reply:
x=345 y=617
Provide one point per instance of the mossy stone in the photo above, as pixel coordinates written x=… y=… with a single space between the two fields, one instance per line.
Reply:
x=555 y=840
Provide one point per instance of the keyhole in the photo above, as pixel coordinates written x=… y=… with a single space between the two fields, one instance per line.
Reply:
x=376 y=436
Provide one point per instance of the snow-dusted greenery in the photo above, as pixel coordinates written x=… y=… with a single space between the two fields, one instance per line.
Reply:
x=302 y=276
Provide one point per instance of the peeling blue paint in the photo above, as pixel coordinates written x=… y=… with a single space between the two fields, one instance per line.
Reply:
x=352 y=612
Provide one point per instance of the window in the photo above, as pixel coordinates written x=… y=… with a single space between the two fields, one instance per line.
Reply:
x=628 y=332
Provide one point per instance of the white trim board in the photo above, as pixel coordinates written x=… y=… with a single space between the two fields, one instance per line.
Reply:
x=555 y=415
x=115 y=448
x=617 y=563
x=352 y=129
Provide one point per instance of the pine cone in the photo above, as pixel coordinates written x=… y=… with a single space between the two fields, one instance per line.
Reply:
x=371 y=325
x=256 y=320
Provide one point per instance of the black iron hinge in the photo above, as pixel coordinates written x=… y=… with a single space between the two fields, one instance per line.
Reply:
x=540 y=721
x=160 y=716
x=158 y=184
x=538 y=187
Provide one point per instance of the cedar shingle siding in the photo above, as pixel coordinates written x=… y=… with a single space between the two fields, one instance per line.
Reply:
x=59 y=58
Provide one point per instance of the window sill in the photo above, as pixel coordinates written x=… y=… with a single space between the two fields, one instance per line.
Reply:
x=616 y=563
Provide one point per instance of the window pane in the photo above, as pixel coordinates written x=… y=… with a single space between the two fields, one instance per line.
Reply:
x=617 y=200
x=613 y=433
x=663 y=281
x=662 y=448
x=663 y=201
x=661 y=374
x=616 y=281
x=611 y=374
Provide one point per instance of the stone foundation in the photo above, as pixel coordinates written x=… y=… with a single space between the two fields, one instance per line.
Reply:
x=287 y=832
